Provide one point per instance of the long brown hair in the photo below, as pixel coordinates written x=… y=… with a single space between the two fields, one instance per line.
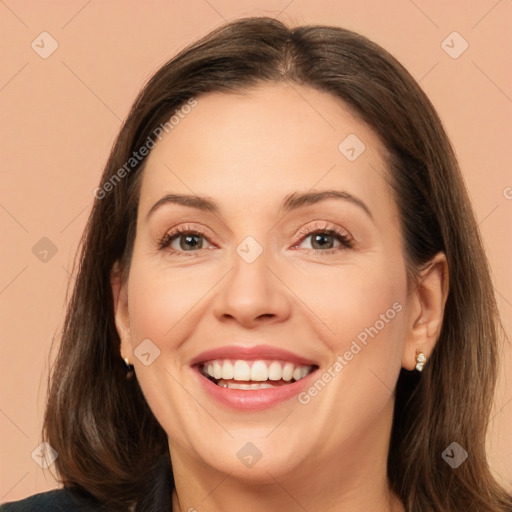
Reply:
x=106 y=436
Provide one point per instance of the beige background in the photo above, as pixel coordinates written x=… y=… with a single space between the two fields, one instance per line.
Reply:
x=60 y=116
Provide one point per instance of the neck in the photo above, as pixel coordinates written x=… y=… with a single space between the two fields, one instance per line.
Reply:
x=388 y=503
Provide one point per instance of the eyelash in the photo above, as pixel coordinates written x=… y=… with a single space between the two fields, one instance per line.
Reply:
x=342 y=236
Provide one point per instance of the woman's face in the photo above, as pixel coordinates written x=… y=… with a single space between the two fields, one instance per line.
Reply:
x=262 y=268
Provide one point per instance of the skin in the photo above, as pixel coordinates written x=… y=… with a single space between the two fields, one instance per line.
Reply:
x=247 y=152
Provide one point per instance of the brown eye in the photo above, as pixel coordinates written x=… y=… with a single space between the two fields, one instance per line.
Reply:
x=183 y=240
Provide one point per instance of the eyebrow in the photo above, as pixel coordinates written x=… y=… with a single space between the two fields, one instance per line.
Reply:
x=290 y=202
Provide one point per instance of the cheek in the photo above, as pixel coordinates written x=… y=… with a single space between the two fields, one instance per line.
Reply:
x=160 y=304
x=363 y=306
x=360 y=305
x=161 y=300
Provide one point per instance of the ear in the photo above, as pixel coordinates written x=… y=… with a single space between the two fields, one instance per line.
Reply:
x=426 y=310
x=122 y=319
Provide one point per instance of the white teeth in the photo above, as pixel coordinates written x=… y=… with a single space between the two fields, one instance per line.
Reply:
x=227 y=370
x=255 y=371
x=275 y=371
x=259 y=371
x=242 y=371
x=288 y=371
x=217 y=370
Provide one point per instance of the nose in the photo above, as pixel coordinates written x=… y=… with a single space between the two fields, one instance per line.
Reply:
x=253 y=294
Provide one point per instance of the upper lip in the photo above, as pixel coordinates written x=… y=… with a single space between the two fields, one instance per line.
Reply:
x=252 y=353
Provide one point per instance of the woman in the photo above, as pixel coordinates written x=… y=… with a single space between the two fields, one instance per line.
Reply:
x=282 y=302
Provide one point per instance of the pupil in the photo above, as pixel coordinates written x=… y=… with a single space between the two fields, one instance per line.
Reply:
x=189 y=239
x=320 y=236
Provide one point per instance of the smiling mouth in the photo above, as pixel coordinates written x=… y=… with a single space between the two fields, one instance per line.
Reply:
x=253 y=375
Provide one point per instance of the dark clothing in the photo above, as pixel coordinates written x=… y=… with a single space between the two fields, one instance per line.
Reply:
x=156 y=497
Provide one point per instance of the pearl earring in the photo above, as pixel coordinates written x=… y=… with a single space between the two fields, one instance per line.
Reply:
x=420 y=360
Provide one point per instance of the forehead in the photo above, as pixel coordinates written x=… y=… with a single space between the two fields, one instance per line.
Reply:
x=262 y=145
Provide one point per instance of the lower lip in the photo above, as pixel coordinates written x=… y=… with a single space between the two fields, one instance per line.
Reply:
x=253 y=399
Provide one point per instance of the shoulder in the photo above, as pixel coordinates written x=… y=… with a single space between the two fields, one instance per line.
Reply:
x=156 y=496
x=57 y=500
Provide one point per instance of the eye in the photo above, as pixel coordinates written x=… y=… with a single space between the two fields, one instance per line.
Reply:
x=186 y=239
x=322 y=239
x=183 y=239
